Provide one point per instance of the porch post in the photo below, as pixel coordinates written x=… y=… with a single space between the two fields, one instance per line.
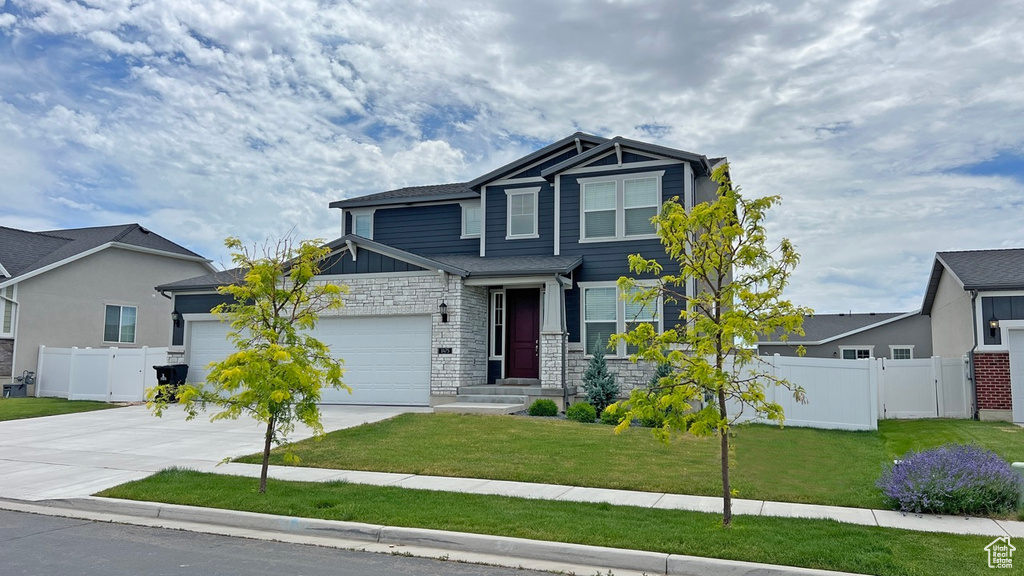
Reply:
x=551 y=336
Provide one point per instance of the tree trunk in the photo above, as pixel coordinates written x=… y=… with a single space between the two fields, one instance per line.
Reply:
x=726 y=489
x=266 y=455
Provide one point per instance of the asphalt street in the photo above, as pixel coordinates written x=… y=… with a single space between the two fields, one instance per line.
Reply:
x=44 y=545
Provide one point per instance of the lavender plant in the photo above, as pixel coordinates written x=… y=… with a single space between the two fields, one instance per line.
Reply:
x=952 y=479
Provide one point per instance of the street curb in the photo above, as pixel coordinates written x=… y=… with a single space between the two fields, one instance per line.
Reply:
x=355 y=532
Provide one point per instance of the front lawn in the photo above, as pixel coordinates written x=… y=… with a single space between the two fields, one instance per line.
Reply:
x=788 y=465
x=18 y=408
x=818 y=544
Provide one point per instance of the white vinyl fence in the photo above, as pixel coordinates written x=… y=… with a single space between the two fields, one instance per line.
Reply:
x=855 y=394
x=105 y=374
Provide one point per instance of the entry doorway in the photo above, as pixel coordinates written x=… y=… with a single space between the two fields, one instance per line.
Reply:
x=522 y=350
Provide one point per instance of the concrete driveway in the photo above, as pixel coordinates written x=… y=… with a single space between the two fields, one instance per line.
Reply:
x=77 y=455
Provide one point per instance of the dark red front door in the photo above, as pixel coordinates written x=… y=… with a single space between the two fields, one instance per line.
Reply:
x=523 y=333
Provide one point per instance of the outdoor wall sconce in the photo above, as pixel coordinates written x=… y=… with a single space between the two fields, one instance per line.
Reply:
x=993 y=325
x=176 y=318
x=443 y=309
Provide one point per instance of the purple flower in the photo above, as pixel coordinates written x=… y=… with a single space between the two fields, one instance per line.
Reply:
x=952 y=479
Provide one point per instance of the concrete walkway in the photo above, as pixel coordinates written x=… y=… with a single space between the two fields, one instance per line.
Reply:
x=862 y=516
x=74 y=455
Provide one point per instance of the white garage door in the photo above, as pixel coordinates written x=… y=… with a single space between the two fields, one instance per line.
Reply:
x=387 y=359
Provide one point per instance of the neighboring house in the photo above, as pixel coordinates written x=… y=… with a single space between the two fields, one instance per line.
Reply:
x=509 y=278
x=976 y=303
x=85 y=287
x=893 y=335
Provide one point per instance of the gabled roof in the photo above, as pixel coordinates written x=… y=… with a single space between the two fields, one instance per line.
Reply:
x=409 y=195
x=24 y=254
x=503 y=266
x=977 y=270
x=516 y=165
x=701 y=163
x=824 y=328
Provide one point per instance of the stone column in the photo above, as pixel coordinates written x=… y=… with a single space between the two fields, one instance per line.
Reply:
x=551 y=336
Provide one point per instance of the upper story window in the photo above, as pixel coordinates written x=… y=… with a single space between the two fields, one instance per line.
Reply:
x=619 y=207
x=604 y=314
x=119 y=324
x=522 y=213
x=362 y=224
x=471 y=219
x=7 y=310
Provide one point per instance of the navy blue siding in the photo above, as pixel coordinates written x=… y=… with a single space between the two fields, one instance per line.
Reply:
x=366 y=262
x=194 y=304
x=432 y=229
x=607 y=261
x=627 y=157
x=536 y=170
x=496 y=214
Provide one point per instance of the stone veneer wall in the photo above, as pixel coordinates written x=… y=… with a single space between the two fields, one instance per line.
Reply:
x=992 y=380
x=551 y=359
x=627 y=374
x=465 y=332
x=6 y=358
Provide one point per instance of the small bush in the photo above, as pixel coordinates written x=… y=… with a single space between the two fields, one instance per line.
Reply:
x=581 y=412
x=598 y=383
x=952 y=479
x=613 y=414
x=662 y=371
x=543 y=407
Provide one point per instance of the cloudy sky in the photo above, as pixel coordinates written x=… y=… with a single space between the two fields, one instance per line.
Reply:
x=892 y=130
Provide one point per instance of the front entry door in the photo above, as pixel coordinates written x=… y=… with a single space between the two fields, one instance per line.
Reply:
x=523 y=333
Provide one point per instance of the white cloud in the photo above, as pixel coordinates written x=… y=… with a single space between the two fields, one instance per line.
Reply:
x=248 y=118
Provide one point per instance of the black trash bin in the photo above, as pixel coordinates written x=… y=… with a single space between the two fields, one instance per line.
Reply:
x=15 y=390
x=171 y=375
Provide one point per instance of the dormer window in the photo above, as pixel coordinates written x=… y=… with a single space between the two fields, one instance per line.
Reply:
x=362 y=224
x=619 y=207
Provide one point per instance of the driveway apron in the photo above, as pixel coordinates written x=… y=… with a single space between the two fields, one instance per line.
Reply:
x=75 y=455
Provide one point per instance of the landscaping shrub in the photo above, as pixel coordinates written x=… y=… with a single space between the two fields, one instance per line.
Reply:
x=598 y=383
x=664 y=369
x=612 y=414
x=581 y=412
x=543 y=407
x=952 y=479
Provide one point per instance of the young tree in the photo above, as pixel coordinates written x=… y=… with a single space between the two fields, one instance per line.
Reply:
x=722 y=245
x=598 y=383
x=279 y=369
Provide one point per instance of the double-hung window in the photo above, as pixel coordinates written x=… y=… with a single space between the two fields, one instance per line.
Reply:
x=119 y=324
x=619 y=207
x=471 y=217
x=7 y=311
x=522 y=213
x=362 y=224
x=605 y=313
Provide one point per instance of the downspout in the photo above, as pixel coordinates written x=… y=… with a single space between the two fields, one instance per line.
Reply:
x=970 y=355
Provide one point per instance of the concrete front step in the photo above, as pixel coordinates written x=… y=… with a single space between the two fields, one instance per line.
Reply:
x=479 y=408
x=490 y=399
x=518 y=382
x=498 y=390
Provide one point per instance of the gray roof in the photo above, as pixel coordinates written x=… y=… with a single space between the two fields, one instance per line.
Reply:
x=519 y=163
x=978 y=270
x=702 y=165
x=409 y=195
x=820 y=328
x=511 y=265
x=23 y=252
x=205 y=282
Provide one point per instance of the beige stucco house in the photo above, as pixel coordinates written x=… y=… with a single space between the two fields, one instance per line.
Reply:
x=85 y=287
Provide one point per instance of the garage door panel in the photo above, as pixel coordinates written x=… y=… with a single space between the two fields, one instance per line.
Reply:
x=387 y=359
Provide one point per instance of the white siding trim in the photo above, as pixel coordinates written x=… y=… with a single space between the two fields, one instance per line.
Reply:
x=558 y=213
x=483 y=221
x=648 y=164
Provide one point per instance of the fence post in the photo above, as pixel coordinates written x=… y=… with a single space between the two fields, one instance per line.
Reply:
x=39 y=370
x=876 y=388
x=940 y=387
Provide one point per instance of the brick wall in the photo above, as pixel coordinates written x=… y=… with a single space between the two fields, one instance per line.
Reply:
x=6 y=358
x=992 y=379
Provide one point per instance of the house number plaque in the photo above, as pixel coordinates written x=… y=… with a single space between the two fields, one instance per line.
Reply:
x=444 y=350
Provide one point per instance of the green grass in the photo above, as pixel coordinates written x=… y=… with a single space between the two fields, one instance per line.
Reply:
x=789 y=465
x=18 y=408
x=819 y=544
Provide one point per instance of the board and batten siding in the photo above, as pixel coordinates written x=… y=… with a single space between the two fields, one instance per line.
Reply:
x=607 y=261
x=434 y=229
x=496 y=215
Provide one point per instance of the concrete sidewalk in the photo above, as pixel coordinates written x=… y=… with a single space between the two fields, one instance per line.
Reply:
x=862 y=516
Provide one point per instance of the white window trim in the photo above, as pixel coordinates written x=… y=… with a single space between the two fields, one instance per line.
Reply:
x=122 y=305
x=893 y=347
x=620 y=316
x=471 y=204
x=492 y=354
x=369 y=213
x=509 y=193
x=620 y=204
x=13 y=303
x=870 y=349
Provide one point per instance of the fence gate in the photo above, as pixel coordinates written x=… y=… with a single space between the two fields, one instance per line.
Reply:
x=104 y=374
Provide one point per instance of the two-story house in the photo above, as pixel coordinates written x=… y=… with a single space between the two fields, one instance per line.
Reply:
x=508 y=279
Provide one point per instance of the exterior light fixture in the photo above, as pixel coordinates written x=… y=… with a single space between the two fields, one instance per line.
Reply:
x=176 y=318
x=443 y=309
x=993 y=325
